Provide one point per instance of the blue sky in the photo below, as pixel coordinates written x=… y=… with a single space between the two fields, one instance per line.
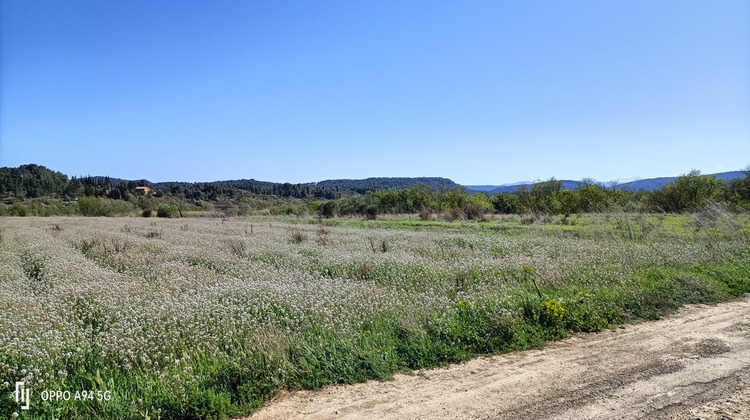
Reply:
x=482 y=92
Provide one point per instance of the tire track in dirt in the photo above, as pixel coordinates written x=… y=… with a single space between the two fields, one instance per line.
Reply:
x=690 y=365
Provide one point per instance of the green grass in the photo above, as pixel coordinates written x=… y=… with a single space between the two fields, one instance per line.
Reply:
x=671 y=225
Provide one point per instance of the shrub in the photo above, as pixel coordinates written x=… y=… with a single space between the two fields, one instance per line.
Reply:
x=92 y=206
x=455 y=214
x=18 y=209
x=371 y=212
x=146 y=213
x=473 y=211
x=167 y=210
x=97 y=206
x=328 y=209
x=425 y=214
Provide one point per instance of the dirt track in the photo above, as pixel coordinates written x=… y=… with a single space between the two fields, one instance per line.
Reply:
x=691 y=365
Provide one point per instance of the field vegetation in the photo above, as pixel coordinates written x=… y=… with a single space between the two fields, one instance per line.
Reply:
x=209 y=317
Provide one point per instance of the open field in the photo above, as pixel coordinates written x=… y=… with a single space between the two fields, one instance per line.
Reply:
x=203 y=318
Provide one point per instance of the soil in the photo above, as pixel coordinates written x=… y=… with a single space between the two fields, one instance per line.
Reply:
x=694 y=364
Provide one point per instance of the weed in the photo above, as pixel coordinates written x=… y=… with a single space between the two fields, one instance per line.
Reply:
x=529 y=218
x=363 y=271
x=115 y=246
x=88 y=245
x=323 y=237
x=379 y=246
x=461 y=278
x=529 y=273
x=154 y=234
x=33 y=267
x=454 y=214
x=552 y=313
x=237 y=247
x=297 y=236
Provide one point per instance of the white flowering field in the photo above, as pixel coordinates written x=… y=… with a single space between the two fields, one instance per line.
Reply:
x=207 y=318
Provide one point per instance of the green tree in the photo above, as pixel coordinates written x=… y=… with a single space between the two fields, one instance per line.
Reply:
x=688 y=192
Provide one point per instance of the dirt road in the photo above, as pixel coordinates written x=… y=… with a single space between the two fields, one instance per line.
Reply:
x=692 y=365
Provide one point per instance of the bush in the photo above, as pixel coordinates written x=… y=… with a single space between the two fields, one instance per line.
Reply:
x=505 y=203
x=454 y=214
x=328 y=209
x=166 y=210
x=146 y=213
x=473 y=211
x=97 y=206
x=371 y=212
x=18 y=209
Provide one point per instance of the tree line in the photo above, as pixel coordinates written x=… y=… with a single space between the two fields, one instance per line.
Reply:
x=689 y=192
x=22 y=188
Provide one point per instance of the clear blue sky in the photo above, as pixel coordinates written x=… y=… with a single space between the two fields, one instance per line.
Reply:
x=482 y=92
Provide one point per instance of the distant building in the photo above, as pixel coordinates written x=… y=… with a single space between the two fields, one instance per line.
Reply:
x=142 y=190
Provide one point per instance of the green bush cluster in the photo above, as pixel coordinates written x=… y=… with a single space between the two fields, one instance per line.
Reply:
x=689 y=192
x=168 y=210
x=98 y=206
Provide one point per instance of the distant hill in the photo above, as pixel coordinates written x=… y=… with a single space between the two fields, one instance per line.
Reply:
x=371 y=184
x=659 y=183
x=331 y=188
x=484 y=188
x=511 y=188
x=488 y=188
x=649 y=184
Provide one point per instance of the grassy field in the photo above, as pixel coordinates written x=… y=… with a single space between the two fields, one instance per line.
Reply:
x=207 y=318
